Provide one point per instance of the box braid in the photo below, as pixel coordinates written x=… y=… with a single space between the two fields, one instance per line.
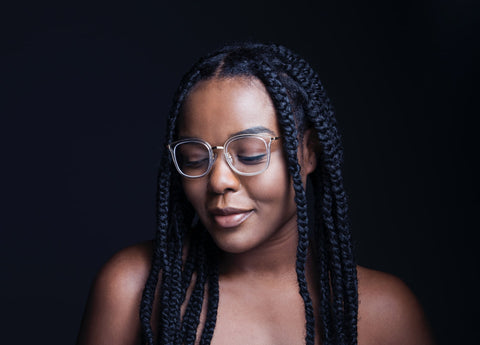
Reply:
x=300 y=102
x=287 y=122
x=334 y=207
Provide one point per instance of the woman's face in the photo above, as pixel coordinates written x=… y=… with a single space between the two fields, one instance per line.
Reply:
x=241 y=213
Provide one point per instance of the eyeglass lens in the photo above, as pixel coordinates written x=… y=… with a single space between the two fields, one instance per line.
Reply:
x=247 y=155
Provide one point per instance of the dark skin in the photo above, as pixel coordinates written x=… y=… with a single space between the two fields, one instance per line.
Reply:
x=258 y=283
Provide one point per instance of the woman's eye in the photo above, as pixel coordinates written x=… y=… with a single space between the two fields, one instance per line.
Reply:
x=257 y=159
x=195 y=163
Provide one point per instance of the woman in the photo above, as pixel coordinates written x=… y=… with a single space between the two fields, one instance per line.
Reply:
x=241 y=256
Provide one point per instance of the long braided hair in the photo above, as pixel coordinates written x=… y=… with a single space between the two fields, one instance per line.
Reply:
x=301 y=103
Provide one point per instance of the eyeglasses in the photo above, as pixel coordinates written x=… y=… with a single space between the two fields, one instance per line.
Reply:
x=246 y=154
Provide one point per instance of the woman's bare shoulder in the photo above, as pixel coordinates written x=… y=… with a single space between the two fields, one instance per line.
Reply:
x=112 y=312
x=389 y=313
x=127 y=269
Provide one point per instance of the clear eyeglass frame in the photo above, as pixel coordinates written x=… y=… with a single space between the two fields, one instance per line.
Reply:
x=267 y=140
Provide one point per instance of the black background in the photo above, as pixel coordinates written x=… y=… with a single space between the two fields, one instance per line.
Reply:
x=86 y=89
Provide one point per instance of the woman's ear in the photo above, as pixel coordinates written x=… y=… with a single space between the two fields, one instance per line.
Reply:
x=309 y=151
x=308 y=154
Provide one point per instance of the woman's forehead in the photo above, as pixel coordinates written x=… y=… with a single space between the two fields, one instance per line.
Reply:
x=221 y=107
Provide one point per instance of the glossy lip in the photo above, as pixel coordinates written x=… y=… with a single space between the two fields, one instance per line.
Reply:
x=229 y=217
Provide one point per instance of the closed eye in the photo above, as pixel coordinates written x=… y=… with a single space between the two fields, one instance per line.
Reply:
x=251 y=160
x=196 y=164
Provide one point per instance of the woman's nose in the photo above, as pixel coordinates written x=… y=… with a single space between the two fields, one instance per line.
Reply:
x=221 y=177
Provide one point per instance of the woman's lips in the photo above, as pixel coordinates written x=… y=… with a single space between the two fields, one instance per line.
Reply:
x=230 y=217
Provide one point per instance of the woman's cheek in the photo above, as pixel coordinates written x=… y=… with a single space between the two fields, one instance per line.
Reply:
x=195 y=193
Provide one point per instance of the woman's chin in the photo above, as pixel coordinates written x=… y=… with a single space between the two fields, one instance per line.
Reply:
x=233 y=244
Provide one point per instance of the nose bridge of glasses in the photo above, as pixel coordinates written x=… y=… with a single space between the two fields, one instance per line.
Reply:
x=227 y=155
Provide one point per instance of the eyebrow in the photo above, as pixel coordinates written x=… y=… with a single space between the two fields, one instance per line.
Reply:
x=251 y=130
x=255 y=130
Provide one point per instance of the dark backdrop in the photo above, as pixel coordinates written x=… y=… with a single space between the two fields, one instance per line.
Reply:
x=86 y=89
